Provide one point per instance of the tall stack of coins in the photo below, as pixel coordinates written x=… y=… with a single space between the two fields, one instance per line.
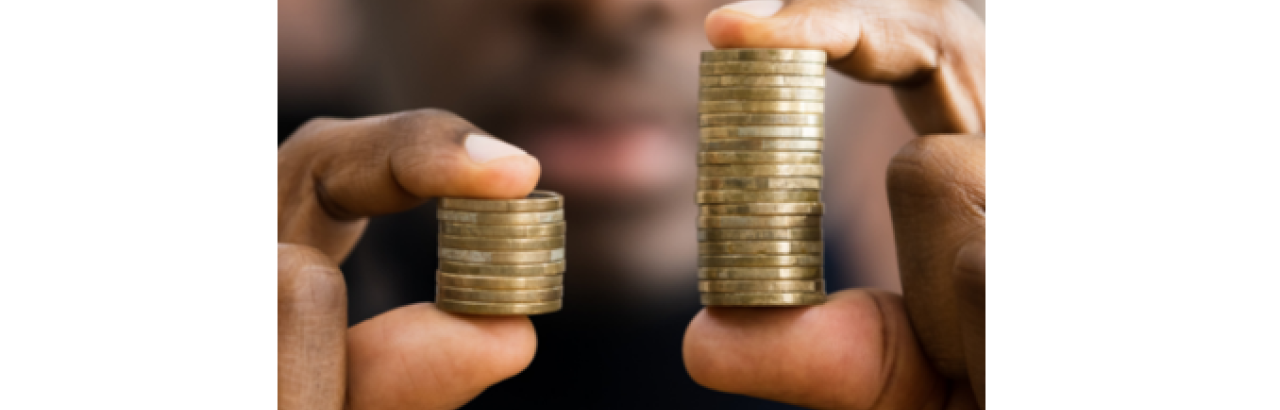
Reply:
x=501 y=257
x=760 y=177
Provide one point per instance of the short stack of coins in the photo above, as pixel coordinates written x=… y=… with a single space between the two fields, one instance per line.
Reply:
x=501 y=257
x=760 y=177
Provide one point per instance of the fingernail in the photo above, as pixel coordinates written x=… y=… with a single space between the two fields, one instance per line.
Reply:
x=758 y=8
x=483 y=148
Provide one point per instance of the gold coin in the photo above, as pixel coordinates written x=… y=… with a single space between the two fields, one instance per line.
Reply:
x=492 y=308
x=502 y=257
x=802 y=107
x=779 y=170
x=765 y=54
x=770 y=273
x=762 y=94
x=719 y=286
x=530 y=269
x=491 y=243
x=500 y=218
x=499 y=282
x=759 y=183
x=764 y=208
x=755 y=157
x=751 y=261
x=535 y=201
x=759 y=247
x=712 y=133
x=503 y=231
x=777 y=234
x=724 y=144
x=779 y=221
x=764 y=299
x=761 y=67
x=499 y=295
x=720 y=197
x=713 y=120
x=762 y=81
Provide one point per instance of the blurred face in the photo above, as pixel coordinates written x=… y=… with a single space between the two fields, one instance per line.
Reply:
x=602 y=92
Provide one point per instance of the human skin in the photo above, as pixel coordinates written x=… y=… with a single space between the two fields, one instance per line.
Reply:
x=333 y=175
x=869 y=349
x=860 y=350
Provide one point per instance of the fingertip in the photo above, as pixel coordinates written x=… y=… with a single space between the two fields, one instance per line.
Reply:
x=512 y=342
x=737 y=349
x=420 y=356
x=482 y=148
x=507 y=171
x=798 y=25
x=503 y=346
x=519 y=343
x=830 y=355
x=728 y=28
x=454 y=175
x=511 y=177
x=697 y=362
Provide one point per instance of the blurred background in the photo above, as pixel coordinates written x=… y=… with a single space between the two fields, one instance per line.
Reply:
x=604 y=94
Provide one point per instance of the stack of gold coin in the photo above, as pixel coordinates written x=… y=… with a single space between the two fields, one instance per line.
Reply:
x=501 y=257
x=760 y=177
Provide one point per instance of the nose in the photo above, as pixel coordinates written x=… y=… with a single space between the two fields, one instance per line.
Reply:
x=608 y=32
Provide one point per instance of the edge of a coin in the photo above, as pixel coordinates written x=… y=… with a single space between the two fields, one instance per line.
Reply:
x=499 y=309
x=538 y=200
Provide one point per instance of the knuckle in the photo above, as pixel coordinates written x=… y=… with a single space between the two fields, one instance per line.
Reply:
x=316 y=124
x=428 y=122
x=434 y=140
x=910 y=169
x=294 y=257
x=310 y=139
x=909 y=160
x=312 y=130
x=420 y=118
x=971 y=261
x=308 y=280
x=937 y=165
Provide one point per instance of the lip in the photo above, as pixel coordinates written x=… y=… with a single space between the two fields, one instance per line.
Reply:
x=607 y=135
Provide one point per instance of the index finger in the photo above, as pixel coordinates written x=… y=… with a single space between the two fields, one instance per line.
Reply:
x=332 y=174
x=932 y=52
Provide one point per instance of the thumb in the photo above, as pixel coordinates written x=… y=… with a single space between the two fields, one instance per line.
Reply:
x=856 y=351
x=420 y=357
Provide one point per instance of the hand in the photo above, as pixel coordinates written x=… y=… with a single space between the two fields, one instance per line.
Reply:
x=333 y=175
x=868 y=349
x=931 y=51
